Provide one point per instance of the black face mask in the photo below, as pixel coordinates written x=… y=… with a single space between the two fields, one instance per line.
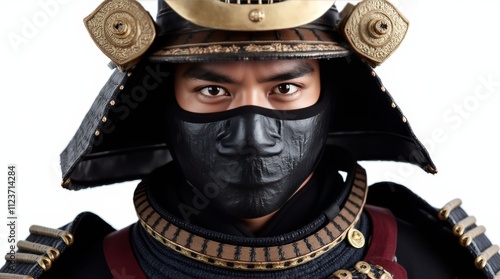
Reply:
x=248 y=161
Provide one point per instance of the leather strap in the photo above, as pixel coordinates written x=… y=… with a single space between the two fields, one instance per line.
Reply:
x=120 y=257
x=384 y=241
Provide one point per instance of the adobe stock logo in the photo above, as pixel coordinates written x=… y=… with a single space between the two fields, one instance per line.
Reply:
x=31 y=25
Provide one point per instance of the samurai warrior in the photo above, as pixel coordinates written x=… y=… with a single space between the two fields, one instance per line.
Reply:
x=244 y=122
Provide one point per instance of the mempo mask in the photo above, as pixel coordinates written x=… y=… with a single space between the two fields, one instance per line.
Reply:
x=250 y=160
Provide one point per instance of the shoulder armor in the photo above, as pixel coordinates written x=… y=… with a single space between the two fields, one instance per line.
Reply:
x=45 y=246
x=471 y=237
x=451 y=218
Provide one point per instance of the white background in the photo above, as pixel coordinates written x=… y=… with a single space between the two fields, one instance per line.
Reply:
x=444 y=77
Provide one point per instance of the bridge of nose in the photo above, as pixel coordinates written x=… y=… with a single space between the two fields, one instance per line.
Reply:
x=251 y=131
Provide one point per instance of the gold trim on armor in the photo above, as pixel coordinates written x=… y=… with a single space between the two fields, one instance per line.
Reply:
x=65 y=184
x=14 y=276
x=459 y=228
x=37 y=253
x=374 y=28
x=466 y=238
x=66 y=236
x=485 y=256
x=368 y=270
x=254 y=47
x=250 y=17
x=38 y=248
x=123 y=30
x=445 y=211
x=356 y=238
x=431 y=169
x=342 y=274
x=44 y=262
x=264 y=258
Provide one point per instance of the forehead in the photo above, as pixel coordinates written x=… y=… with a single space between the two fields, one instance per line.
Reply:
x=261 y=67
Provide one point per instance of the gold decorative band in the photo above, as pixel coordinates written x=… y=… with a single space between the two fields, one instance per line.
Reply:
x=254 y=258
x=254 y=47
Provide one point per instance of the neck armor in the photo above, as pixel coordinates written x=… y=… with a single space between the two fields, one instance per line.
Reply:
x=249 y=160
x=324 y=234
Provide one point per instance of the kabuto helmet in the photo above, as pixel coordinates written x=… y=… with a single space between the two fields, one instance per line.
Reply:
x=121 y=138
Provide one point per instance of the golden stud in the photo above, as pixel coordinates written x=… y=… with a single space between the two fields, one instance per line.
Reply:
x=481 y=261
x=393 y=105
x=356 y=238
x=122 y=87
x=104 y=119
x=343 y=274
x=97 y=133
x=382 y=88
x=445 y=211
x=256 y=15
x=466 y=239
x=459 y=228
x=112 y=102
x=363 y=267
x=66 y=183
x=379 y=27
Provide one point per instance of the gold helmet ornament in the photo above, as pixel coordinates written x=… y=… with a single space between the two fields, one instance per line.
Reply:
x=202 y=30
x=374 y=29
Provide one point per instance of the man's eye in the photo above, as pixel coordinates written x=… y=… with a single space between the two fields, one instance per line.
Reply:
x=213 y=91
x=285 y=88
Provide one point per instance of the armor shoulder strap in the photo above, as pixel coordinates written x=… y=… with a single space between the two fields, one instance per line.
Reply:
x=382 y=249
x=45 y=247
x=119 y=255
x=451 y=218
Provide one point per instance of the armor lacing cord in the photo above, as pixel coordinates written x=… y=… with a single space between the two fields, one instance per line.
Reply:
x=471 y=236
x=44 y=262
x=40 y=254
x=14 y=276
x=36 y=248
x=274 y=257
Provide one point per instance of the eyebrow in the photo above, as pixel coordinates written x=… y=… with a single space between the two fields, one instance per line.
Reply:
x=202 y=72
x=302 y=68
x=197 y=71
